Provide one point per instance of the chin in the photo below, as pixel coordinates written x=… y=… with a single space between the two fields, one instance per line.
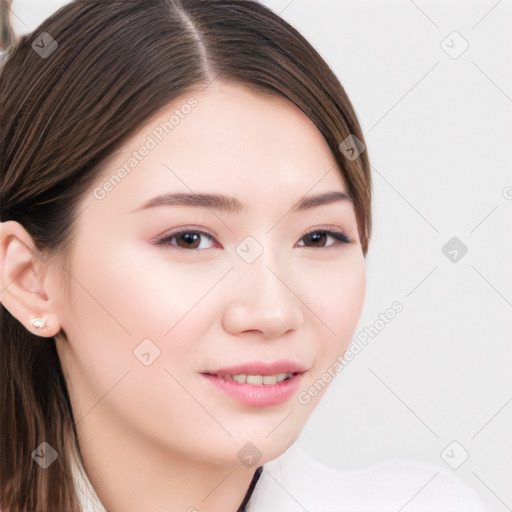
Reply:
x=257 y=447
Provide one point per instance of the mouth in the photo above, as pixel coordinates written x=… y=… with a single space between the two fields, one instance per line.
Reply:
x=259 y=383
x=256 y=380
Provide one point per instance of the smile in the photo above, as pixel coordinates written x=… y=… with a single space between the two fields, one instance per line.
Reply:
x=258 y=380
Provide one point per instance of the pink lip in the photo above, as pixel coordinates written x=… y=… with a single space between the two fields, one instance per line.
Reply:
x=261 y=368
x=263 y=395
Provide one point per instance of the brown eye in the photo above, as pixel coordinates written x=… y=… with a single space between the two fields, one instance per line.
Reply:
x=323 y=239
x=317 y=239
x=188 y=240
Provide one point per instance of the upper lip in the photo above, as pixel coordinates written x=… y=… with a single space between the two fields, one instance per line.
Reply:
x=261 y=368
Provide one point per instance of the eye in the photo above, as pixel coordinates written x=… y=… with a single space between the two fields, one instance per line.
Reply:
x=322 y=238
x=188 y=239
x=199 y=240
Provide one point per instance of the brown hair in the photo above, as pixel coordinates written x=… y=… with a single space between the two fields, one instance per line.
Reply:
x=115 y=65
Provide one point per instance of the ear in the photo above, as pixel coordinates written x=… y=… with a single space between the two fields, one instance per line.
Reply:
x=22 y=279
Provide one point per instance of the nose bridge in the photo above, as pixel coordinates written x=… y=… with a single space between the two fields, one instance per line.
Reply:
x=261 y=300
x=260 y=281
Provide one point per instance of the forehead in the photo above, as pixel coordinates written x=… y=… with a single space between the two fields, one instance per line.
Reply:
x=224 y=138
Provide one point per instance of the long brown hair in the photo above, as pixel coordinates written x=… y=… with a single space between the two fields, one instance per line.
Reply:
x=114 y=65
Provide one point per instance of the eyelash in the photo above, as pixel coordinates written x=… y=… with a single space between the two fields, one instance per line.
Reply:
x=336 y=234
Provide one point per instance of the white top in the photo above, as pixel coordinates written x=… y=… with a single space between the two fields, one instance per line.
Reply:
x=295 y=482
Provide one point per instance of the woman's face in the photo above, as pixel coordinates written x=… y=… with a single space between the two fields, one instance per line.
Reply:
x=255 y=284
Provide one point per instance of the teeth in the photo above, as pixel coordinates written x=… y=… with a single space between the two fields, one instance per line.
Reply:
x=258 y=380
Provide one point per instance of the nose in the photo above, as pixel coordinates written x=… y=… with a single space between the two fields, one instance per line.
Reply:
x=262 y=303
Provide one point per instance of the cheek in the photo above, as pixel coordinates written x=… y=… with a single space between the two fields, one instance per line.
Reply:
x=116 y=303
x=120 y=309
x=338 y=305
x=337 y=302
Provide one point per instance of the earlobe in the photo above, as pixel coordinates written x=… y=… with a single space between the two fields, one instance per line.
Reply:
x=22 y=281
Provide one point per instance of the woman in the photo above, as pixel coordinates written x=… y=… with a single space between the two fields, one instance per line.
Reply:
x=186 y=211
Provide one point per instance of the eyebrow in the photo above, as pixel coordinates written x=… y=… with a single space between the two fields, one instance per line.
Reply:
x=232 y=205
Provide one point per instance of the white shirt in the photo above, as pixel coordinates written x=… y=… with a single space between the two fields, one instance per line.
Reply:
x=295 y=482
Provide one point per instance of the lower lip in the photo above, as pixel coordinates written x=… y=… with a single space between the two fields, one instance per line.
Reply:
x=263 y=395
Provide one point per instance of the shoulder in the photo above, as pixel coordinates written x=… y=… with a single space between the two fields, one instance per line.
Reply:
x=295 y=481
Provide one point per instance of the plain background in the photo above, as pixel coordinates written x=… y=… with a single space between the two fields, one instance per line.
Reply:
x=434 y=384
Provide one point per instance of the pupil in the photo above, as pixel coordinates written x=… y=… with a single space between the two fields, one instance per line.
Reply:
x=317 y=238
x=190 y=238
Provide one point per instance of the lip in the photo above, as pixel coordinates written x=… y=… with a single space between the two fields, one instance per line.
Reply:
x=261 y=368
x=263 y=395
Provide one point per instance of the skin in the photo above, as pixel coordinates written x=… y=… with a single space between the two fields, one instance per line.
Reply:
x=159 y=437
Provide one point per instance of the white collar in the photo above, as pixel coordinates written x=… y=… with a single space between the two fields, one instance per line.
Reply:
x=296 y=482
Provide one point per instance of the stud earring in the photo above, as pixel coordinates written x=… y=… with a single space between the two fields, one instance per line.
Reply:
x=38 y=322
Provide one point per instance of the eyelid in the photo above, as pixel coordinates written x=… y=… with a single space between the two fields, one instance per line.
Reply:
x=163 y=239
x=335 y=231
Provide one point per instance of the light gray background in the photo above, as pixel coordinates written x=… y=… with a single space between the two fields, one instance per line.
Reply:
x=439 y=135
